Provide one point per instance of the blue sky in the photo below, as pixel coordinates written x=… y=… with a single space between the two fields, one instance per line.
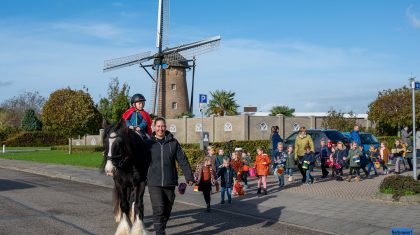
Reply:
x=309 y=55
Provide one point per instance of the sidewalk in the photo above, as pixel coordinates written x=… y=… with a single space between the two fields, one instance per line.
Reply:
x=328 y=206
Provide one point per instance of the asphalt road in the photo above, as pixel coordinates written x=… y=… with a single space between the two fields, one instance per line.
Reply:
x=34 y=204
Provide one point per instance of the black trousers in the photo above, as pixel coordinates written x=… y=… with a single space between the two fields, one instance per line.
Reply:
x=356 y=169
x=162 y=199
x=245 y=177
x=302 y=171
x=324 y=167
x=410 y=163
x=205 y=187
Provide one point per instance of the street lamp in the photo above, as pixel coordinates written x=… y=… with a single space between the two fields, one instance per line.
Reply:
x=414 y=87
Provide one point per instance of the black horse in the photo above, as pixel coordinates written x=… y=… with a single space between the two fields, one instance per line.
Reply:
x=126 y=158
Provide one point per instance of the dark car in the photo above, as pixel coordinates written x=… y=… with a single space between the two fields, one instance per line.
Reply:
x=367 y=139
x=330 y=135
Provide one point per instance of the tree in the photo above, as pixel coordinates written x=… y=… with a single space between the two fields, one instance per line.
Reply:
x=393 y=108
x=285 y=110
x=222 y=103
x=112 y=106
x=30 y=121
x=337 y=120
x=188 y=114
x=105 y=108
x=71 y=113
x=18 y=105
x=121 y=103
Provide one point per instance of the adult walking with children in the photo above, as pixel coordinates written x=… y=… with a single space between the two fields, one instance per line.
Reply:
x=302 y=140
x=163 y=175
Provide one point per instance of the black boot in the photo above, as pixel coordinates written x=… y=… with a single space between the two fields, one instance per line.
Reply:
x=265 y=191
x=208 y=207
x=259 y=191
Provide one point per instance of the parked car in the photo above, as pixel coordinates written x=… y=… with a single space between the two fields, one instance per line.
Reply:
x=367 y=139
x=332 y=136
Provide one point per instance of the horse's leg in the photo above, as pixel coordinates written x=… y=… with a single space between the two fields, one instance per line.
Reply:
x=139 y=199
x=124 y=226
x=138 y=226
x=116 y=202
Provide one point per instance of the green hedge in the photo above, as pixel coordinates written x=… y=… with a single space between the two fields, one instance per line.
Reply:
x=399 y=185
x=35 y=139
x=390 y=140
x=79 y=148
x=248 y=146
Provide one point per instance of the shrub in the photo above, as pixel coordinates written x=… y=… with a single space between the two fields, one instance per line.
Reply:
x=7 y=131
x=248 y=146
x=390 y=140
x=399 y=185
x=190 y=146
x=194 y=156
x=79 y=148
x=35 y=139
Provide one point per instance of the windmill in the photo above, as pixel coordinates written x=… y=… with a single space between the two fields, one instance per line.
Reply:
x=169 y=91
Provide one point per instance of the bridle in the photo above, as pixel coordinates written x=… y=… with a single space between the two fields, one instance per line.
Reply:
x=120 y=158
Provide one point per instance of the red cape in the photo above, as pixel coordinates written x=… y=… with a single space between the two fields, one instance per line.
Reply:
x=144 y=114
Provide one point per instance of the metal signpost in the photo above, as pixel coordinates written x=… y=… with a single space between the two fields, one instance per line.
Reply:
x=415 y=86
x=203 y=108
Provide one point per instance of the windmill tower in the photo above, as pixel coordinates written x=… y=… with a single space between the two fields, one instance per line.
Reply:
x=169 y=92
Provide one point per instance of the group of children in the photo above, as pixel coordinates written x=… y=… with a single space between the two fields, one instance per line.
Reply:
x=374 y=159
x=231 y=171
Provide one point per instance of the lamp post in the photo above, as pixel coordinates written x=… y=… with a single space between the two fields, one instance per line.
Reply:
x=414 y=87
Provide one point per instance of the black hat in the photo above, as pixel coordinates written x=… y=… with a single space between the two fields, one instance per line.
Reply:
x=136 y=98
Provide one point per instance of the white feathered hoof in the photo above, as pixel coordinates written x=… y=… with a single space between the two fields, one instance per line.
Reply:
x=124 y=226
x=118 y=215
x=132 y=213
x=138 y=227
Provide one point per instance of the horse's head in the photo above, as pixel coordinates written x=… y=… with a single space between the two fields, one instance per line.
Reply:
x=116 y=148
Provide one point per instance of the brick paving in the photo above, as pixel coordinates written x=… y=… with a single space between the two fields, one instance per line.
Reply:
x=329 y=187
x=326 y=206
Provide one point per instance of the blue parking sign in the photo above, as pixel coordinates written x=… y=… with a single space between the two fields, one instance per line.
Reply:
x=417 y=85
x=203 y=98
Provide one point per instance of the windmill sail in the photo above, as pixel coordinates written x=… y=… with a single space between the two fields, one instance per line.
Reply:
x=126 y=61
x=187 y=51
x=177 y=57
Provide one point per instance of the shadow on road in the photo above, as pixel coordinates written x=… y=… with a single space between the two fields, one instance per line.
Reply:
x=211 y=223
x=6 y=185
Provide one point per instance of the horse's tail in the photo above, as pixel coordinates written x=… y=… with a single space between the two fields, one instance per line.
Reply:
x=116 y=204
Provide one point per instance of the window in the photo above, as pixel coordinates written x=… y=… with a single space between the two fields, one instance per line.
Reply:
x=173 y=86
x=174 y=105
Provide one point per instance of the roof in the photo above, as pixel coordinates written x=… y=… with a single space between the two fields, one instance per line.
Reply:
x=175 y=60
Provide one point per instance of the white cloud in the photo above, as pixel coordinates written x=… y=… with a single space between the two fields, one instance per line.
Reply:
x=6 y=83
x=301 y=75
x=415 y=22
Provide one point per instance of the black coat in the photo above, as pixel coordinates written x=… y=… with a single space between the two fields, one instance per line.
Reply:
x=162 y=169
x=226 y=176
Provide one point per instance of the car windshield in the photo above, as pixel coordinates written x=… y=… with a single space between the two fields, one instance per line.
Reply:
x=334 y=135
x=368 y=139
x=291 y=138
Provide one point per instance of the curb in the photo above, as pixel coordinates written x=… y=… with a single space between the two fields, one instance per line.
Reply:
x=412 y=199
